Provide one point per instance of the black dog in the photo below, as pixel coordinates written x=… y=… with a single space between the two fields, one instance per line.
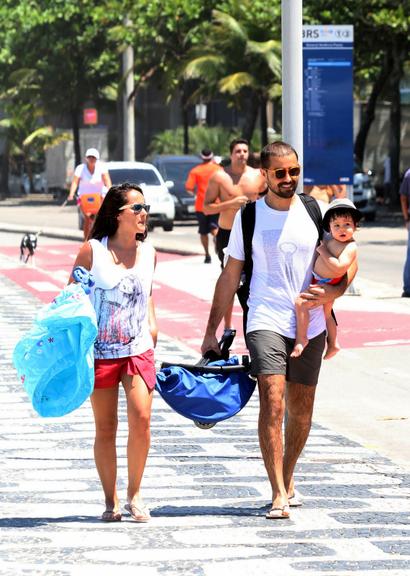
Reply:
x=28 y=246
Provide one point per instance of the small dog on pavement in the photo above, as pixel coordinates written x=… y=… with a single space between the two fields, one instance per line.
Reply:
x=28 y=247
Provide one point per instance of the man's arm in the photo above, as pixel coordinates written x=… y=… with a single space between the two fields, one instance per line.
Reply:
x=190 y=183
x=323 y=293
x=212 y=203
x=225 y=290
x=404 y=202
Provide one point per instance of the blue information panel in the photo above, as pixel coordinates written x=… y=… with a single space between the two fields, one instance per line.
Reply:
x=328 y=104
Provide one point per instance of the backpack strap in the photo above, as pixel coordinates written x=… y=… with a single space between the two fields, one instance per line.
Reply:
x=248 y=226
x=314 y=212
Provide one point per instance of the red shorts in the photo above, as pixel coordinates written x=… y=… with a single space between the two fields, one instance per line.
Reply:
x=108 y=373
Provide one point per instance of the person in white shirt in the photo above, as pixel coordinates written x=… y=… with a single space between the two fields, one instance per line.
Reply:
x=283 y=250
x=89 y=181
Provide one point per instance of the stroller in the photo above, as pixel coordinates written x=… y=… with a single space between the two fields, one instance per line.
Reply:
x=214 y=389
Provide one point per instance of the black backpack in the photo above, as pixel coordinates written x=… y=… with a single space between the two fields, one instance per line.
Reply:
x=248 y=226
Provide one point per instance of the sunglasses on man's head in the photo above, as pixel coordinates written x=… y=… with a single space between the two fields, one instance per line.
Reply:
x=280 y=173
x=137 y=208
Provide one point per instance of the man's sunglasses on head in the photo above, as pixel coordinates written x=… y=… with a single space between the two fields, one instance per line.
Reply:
x=280 y=173
x=137 y=208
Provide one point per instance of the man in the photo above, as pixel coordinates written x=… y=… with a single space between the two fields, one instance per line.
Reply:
x=227 y=191
x=283 y=250
x=405 y=208
x=198 y=179
x=90 y=179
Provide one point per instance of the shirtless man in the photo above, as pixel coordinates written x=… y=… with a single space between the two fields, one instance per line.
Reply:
x=227 y=191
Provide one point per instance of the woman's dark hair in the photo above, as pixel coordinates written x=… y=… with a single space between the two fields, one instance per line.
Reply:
x=106 y=223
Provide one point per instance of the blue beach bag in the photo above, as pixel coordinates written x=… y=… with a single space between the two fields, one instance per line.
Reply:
x=206 y=394
x=55 y=359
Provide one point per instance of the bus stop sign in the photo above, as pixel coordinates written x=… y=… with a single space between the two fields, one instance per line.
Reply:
x=328 y=104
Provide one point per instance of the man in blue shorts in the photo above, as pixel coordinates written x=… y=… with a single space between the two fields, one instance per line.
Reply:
x=283 y=251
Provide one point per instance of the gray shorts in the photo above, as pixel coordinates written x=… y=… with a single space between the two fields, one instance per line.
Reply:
x=270 y=354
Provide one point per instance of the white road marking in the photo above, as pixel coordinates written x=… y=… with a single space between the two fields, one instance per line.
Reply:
x=44 y=286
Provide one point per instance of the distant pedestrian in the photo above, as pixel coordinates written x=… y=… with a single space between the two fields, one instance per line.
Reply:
x=90 y=179
x=197 y=183
x=228 y=190
x=405 y=208
x=122 y=265
x=283 y=246
x=334 y=257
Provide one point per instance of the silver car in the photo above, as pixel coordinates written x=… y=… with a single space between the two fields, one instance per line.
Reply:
x=364 y=195
x=162 y=211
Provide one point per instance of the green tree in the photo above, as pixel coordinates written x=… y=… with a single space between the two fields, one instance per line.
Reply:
x=240 y=59
x=66 y=47
x=382 y=46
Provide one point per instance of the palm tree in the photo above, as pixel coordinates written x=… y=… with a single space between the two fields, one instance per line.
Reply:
x=240 y=60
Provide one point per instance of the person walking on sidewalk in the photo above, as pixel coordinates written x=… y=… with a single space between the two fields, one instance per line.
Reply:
x=282 y=267
x=197 y=182
x=227 y=191
x=405 y=208
x=90 y=179
x=122 y=264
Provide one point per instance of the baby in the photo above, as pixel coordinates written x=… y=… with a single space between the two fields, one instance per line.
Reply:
x=335 y=255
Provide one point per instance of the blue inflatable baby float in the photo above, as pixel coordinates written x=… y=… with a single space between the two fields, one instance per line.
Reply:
x=210 y=391
x=55 y=359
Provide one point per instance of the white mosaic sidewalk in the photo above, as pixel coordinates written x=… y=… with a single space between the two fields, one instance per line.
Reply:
x=207 y=490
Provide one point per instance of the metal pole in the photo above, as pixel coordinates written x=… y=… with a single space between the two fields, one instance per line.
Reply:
x=128 y=103
x=292 y=77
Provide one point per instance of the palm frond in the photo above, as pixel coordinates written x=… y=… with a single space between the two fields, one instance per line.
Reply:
x=233 y=83
x=229 y=25
x=204 y=66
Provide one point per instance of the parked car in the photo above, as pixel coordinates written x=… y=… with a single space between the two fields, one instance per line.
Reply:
x=162 y=211
x=364 y=194
x=175 y=170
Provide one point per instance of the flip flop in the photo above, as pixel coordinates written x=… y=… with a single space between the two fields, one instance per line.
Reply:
x=111 y=516
x=138 y=513
x=278 y=512
x=295 y=501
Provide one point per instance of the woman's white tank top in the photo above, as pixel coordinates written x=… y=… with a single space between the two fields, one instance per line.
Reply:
x=120 y=298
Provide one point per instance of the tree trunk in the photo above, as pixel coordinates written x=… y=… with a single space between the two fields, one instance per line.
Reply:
x=395 y=122
x=264 y=122
x=75 y=114
x=184 y=111
x=4 y=187
x=369 y=114
x=251 y=115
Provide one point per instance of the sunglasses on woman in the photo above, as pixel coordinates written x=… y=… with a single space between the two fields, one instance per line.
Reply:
x=137 y=208
x=280 y=173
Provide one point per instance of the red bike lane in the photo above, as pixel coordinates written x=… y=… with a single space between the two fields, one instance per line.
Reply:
x=183 y=315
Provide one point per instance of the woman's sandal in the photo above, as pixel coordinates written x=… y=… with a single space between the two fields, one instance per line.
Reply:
x=111 y=516
x=138 y=513
x=278 y=512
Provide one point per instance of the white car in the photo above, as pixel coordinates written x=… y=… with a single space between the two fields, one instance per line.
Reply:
x=156 y=193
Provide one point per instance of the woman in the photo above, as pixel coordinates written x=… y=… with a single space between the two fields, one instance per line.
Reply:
x=90 y=179
x=122 y=265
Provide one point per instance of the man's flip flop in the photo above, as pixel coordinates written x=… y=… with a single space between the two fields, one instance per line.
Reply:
x=111 y=516
x=295 y=501
x=278 y=513
x=138 y=513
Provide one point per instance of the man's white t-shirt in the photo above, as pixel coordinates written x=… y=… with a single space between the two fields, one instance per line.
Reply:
x=283 y=253
x=90 y=183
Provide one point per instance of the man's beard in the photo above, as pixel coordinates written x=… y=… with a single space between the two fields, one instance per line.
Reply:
x=287 y=192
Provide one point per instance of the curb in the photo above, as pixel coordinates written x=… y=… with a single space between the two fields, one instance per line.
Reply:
x=68 y=234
